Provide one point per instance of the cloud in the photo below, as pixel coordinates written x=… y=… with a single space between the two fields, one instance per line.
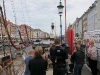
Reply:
x=41 y=13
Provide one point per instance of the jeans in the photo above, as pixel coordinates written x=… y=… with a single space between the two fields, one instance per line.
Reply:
x=59 y=71
x=77 y=69
x=98 y=72
x=93 y=66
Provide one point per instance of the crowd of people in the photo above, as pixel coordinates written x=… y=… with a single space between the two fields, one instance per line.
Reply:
x=37 y=62
x=88 y=53
x=56 y=57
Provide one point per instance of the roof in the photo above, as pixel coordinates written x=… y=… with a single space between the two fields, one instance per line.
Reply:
x=37 y=30
x=8 y=22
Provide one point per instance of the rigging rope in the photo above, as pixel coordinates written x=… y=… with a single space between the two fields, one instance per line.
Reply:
x=5 y=23
x=25 y=44
x=26 y=32
x=4 y=9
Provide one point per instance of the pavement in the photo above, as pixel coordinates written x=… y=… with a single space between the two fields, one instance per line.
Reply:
x=85 y=71
x=49 y=72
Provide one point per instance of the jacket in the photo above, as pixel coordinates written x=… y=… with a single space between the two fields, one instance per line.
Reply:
x=38 y=66
x=58 y=52
x=27 y=72
x=98 y=59
x=78 y=57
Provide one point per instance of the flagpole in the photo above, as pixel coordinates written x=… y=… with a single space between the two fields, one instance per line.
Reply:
x=65 y=19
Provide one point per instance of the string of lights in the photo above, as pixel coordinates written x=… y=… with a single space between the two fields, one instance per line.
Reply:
x=23 y=15
x=28 y=17
x=13 y=8
x=22 y=11
x=14 y=12
x=12 y=3
x=25 y=34
x=27 y=11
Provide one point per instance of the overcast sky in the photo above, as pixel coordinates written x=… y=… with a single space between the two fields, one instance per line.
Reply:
x=41 y=13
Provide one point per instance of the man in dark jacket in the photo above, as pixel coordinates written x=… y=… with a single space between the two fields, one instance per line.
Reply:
x=59 y=58
x=78 y=59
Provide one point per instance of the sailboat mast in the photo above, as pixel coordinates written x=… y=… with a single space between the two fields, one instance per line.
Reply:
x=30 y=32
x=5 y=29
x=4 y=10
x=1 y=27
x=3 y=48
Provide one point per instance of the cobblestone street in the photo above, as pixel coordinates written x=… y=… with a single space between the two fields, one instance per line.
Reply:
x=49 y=72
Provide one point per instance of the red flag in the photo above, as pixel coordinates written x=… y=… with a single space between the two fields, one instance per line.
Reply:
x=70 y=40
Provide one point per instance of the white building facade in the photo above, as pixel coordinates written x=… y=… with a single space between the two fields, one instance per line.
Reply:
x=80 y=27
x=75 y=27
x=98 y=11
x=37 y=33
x=92 y=17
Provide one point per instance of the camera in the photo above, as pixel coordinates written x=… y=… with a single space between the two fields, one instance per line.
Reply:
x=83 y=48
x=66 y=46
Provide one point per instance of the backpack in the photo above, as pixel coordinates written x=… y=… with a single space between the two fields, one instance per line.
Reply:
x=58 y=55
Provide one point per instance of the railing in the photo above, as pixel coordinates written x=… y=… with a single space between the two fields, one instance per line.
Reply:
x=11 y=72
x=5 y=65
x=7 y=70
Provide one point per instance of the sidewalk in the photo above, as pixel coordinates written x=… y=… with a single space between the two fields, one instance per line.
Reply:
x=85 y=71
x=49 y=72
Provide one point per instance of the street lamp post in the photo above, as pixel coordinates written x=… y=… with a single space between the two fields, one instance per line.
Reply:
x=61 y=28
x=60 y=11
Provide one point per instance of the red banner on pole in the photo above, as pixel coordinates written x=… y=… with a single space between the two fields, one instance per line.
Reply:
x=70 y=40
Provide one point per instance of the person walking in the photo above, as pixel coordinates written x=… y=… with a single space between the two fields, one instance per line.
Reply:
x=29 y=57
x=59 y=58
x=92 y=57
x=77 y=59
x=38 y=65
x=46 y=56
